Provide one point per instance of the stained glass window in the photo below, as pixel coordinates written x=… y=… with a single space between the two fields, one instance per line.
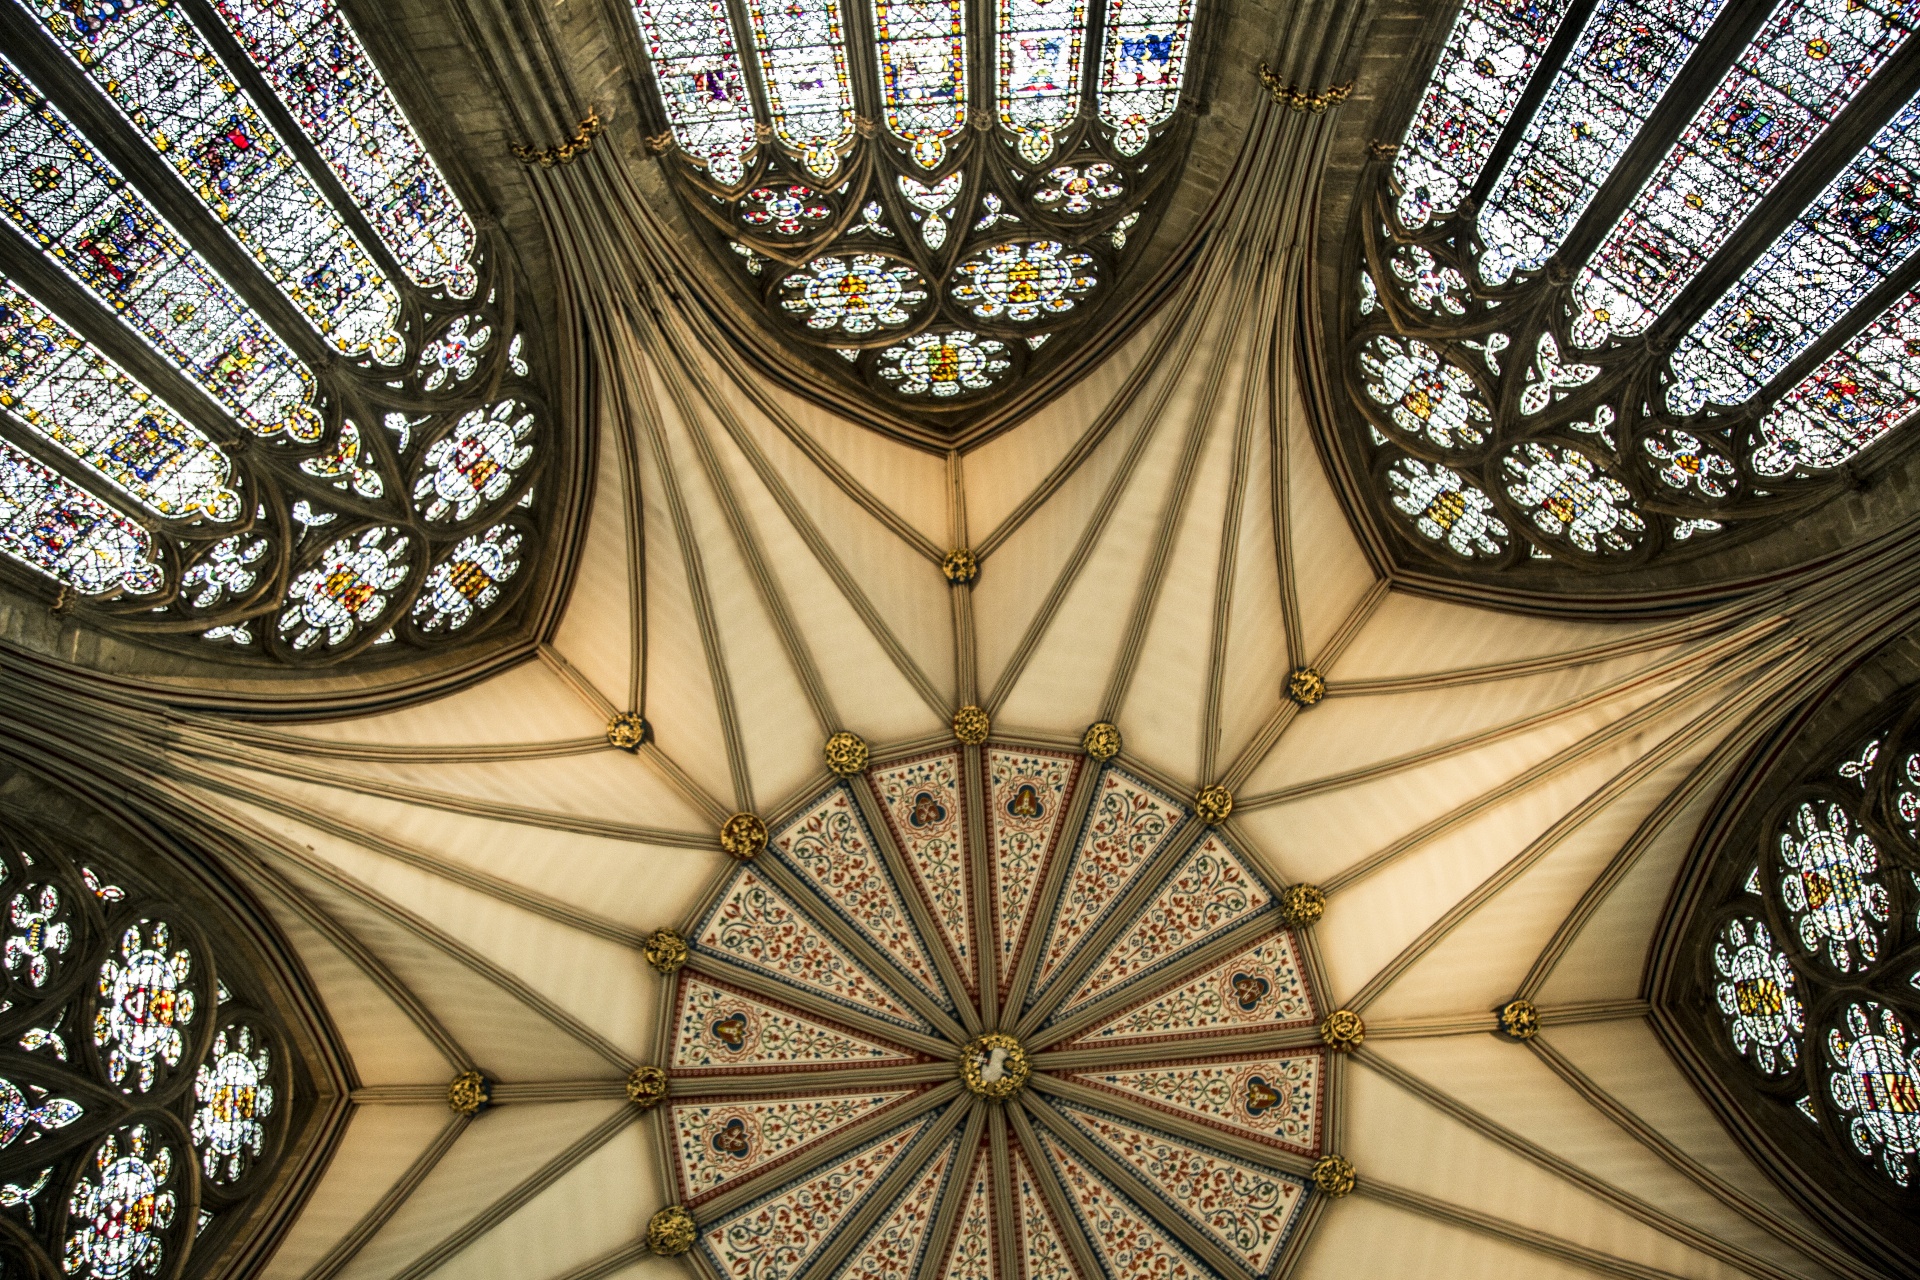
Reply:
x=1489 y=57
x=1830 y=885
x=1141 y=67
x=59 y=193
x=943 y=365
x=136 y=1087
x=470 y=579
x=1423 y=396
x=1041 y=48
x=1864 y=389
x=1443 y=507
x=922 y=47
x=1873 y=1061
x=475 y=463
x=59 y=530
x=233 y=1091
x=347 y=591
x=1625 y=57
x=704 y=93
x=1602 y=447
x=803 y=62
x=1809 y=58
x=856 y=295
x=121 y=1208
x=308 y=51
x=1024 y=282
x=157 y=68
x=73 y=396
x=1847 y=241
x=119 y=495
x=1568 y=496
x=884 y=246
x=1755 y=993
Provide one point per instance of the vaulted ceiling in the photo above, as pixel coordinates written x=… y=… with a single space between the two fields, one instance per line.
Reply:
x=1496 y=802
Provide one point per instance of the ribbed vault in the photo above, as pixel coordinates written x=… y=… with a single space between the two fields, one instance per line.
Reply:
x=1496 y=806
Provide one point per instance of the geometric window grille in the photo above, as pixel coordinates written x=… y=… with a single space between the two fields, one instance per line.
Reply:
x=1130 y=1012
x=261 y=394
x=1812 y=962
x=1637 y=275
x=145 y=1093
x=929 y=225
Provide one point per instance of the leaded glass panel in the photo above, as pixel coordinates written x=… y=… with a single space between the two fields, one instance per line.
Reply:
x=1863 y=226
x=1809 y=58
x=145 y=1090
x=125 y=493
x=157 y=68
x=60 y=194
x=1489 y=57
x=939 y=252
x=803 y=63
x=1041 y=51
x=702 y=89
x=1628 y=53
x=309 y=53
x=1142 y=64
x=1635 y=341
x=922 y=49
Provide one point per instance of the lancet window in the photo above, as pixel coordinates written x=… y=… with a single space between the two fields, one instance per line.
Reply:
x=1637 y=276
x=924 y=225
x=262 y=393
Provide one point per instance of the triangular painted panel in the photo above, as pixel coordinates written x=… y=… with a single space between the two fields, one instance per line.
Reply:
x=970 y=1253
x=1262 y=988
x=1129 y=1242
x=718 y=1141
x=1274 y=1098
x=830 y=847
x=1043 y=1251
x=719 y=1029
x=784 y=1230
x=922 y=801
x=1027 y=794
x=892 y=1249
x=755 y=925
x=1211 y=891
x=1249 y=1210
x=1128 y=823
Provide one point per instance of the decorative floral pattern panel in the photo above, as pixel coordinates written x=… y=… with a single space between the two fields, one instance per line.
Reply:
x=1654 y=310
x=851 y=967
x=282 y=418
x=924 y=228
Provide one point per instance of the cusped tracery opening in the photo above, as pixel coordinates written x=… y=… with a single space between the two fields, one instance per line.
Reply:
x=939 y=229
x=265 y=393
x=1090 y=1015
x=1635 y=281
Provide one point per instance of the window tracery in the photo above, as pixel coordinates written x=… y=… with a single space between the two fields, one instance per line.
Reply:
x=1809 y=957
x=144 y=1089
x=932 y=225
x=1659 y=264
x=261 y=396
